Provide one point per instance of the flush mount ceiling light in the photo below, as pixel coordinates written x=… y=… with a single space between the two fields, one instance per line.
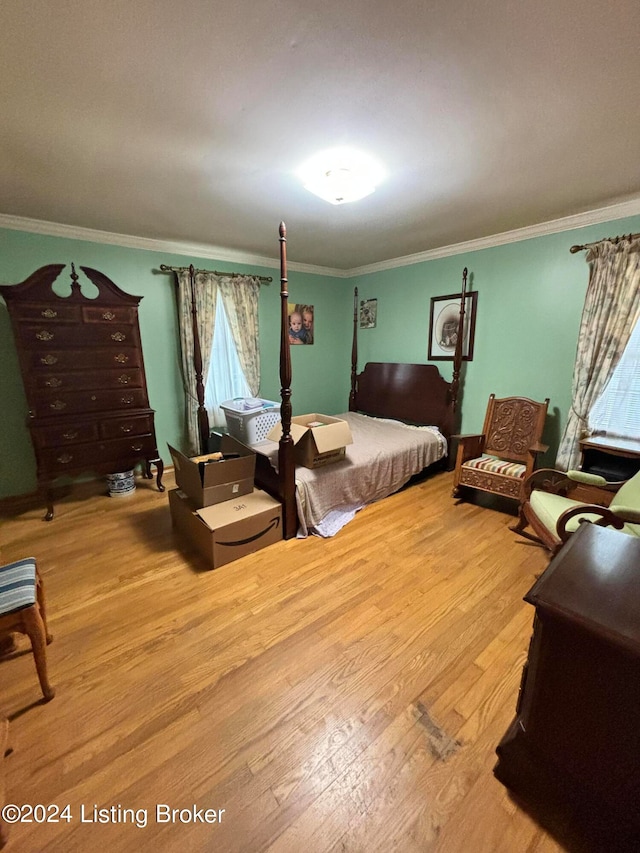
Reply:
x=341 y=175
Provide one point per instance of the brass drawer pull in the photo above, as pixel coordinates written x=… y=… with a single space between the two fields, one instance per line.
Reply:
x=108 y=315
x=65 y=458
x=128 y=400
x=136 y=447
x=49 y=313
x=53 y=382
x=121 y=358
x=70 y=434
x=126 y=428
x=124 y=379
x=58 y=405
x=44 y=336
x=49 y=359
x=118 y=336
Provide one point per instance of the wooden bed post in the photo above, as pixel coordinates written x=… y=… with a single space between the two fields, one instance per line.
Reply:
x=203 y=417
x=286 y=462
x=354 y=353
x=457 y=358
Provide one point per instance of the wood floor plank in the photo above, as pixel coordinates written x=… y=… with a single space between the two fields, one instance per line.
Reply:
x=328 y=695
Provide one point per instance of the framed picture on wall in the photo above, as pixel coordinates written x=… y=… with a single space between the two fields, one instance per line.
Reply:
x=301 y=323
x=368 y=313
x=444 y=320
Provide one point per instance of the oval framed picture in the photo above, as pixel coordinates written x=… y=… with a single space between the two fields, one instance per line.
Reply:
x=444 y=323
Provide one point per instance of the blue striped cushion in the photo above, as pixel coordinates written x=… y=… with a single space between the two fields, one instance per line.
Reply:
x=17 y=585
x=496 y=466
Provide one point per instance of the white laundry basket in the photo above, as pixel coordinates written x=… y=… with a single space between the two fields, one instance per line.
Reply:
x=250 y=420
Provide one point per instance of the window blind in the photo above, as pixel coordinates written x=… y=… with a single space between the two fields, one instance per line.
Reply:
x=617 y=410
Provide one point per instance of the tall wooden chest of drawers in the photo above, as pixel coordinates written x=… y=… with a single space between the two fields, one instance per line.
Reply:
x=83 y=372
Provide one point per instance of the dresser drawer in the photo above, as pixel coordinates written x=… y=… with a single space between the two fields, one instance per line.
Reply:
x=46 y=335
x=140 y=446
x=82 y=381
x=126 y=426
x=43 y=405
x=110 y=456
x=115 y=314
x=48 y=313
x=65 y=434
x=76 y=359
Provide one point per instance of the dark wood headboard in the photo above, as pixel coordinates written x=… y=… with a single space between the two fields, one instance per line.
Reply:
x=413 y=393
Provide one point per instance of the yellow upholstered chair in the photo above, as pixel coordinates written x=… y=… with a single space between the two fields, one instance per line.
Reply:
x=22 y=610
x=500 y=458
x=549 y=505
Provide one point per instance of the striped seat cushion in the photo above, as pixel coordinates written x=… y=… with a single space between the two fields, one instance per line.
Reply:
x=17 y=585
x=496 y=466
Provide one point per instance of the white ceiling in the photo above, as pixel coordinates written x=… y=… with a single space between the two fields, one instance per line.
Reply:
x=185 y=120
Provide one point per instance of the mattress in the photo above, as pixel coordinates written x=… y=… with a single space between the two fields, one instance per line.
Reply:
x=385 y=454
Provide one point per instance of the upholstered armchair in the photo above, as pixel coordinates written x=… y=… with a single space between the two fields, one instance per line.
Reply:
x=499 y=459
x=551 y=505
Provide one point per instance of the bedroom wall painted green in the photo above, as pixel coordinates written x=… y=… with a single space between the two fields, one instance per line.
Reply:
x=530 y=297
x=133 y=270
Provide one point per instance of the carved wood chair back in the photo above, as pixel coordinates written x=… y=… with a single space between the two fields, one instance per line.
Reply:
x=512 y=426
x=499 y=459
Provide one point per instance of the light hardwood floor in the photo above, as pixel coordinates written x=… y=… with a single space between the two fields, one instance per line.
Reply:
x=329 y=695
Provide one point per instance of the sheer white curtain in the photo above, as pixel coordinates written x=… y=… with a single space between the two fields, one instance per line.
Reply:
x=225 y=379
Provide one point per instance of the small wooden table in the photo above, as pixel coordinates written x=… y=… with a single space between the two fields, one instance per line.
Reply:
x=612 y=458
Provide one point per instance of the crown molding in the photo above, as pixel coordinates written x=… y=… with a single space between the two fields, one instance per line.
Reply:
x=219 y=253
x=173 y=247
x=553 y=226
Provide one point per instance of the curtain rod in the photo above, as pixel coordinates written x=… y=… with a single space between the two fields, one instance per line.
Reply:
x=614 y=240
x=166 y=268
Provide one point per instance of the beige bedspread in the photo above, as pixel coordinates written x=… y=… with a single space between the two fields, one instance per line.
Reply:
x=384 y=455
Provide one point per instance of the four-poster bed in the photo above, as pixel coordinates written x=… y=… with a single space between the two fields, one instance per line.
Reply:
x=402 y=417
x=413 y=394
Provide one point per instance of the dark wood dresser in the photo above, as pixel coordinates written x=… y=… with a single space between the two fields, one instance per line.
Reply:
x=575 y=740
x=83 y=372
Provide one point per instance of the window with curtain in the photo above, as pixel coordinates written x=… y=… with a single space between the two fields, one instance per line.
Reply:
x=225 y=379
x=617 y=410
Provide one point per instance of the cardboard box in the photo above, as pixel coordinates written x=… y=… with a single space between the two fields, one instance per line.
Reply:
x=319 y=439
x=208 y=483
x=227 y=531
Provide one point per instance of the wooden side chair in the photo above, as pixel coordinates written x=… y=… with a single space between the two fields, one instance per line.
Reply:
x=551 y=505
x=22 y=610
x=503 y=455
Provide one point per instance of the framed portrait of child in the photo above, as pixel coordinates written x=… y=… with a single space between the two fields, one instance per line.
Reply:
x=301 y=323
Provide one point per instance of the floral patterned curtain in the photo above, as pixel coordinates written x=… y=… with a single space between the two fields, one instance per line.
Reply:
x=206 y=292
x=240 y=297
x=611 y=310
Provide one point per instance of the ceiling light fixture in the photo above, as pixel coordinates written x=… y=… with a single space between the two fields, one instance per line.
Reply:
x=341 y=175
